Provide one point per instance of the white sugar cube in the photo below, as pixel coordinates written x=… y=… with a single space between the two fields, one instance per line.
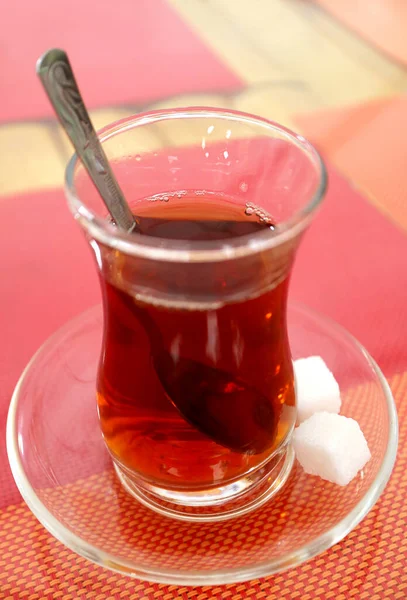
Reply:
x=331 y=446
x=317 y=388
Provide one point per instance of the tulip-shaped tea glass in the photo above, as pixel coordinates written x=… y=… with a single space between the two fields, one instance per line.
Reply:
x=195 y=389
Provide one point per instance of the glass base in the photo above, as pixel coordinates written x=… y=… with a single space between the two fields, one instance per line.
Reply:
x=216 y=504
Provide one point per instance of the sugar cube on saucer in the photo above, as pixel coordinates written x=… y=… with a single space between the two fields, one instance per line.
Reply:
x=317 y=388
x=331 y=446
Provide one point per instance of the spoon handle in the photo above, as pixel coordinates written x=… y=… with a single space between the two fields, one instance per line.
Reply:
x=55 y=72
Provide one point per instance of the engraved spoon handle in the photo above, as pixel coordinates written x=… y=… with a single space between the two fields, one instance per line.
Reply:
x=55 y=72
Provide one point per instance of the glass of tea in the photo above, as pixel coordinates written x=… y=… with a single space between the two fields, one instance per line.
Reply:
x=195 y=389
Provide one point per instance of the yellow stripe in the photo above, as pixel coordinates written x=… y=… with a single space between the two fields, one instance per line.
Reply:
x=293 y=41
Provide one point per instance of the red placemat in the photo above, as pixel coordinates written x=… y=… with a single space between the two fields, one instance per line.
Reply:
x=125 y=52
x=341 y=270
x=371 y=563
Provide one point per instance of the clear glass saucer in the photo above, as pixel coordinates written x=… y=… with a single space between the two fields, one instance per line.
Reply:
x=65 y=475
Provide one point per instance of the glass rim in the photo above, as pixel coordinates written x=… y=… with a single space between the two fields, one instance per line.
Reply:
x=224 y=575
x=136 y=244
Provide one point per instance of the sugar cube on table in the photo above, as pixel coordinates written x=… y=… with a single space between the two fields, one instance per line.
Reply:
x=317 y=388
x=331 y=446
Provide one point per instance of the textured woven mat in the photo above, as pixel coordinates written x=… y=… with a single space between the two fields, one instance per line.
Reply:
x=371 y=558
x=352 y=265
x=370 y=563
